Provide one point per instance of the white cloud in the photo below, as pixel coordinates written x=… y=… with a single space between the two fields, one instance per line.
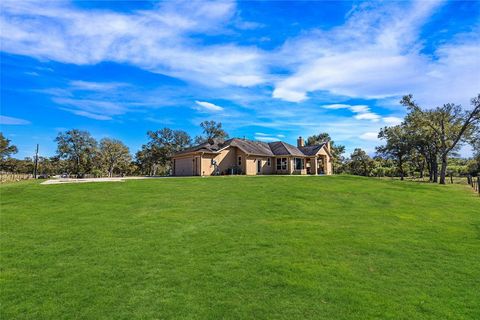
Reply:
x=109 y=100
x=86 y=114
x=377 y=54
x=359 y=108
x=207 y=106
x=371 y=136
x=289 y=94
x=367 y=116
x=393 y=121
x=94 y=109
x=95 y=86
x=336 y=106
x=362 y=112
x=4 y=120
x=266 y=139
x=160 y=40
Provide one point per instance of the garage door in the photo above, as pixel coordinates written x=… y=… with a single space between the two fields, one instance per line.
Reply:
x=184 y=167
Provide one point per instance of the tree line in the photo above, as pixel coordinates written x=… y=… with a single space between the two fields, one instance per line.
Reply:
x=79 y=154
x=426 y=143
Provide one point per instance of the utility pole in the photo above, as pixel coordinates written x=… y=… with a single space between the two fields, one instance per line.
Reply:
x=36 y=164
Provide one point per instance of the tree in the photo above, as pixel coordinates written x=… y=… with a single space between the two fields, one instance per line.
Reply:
x=450 y=125
x=211 y=130
x=422 y=138
x=360 y=163
x=114 y=155
x=336 y=150
x=17 y=165
x=158 y=151
x=143 y=161
x=6 y=149
x=78 y=148
x=397 y=145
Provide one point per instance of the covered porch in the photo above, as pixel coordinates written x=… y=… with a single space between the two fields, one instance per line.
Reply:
x=317 y=165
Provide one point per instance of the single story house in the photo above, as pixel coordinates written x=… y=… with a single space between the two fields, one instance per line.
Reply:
x=242 y=156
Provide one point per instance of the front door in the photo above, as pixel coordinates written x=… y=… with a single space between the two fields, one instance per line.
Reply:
x=259 y=166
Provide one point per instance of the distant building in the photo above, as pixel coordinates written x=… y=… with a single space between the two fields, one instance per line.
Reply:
x=241 y=156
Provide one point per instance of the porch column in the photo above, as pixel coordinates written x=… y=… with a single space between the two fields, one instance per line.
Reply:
x=313 y=165
x=290 y=165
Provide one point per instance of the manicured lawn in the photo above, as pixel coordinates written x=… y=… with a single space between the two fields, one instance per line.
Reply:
x=240 y=248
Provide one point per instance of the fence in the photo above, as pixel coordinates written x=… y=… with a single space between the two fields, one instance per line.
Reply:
x=12 y=177
x=475 y=183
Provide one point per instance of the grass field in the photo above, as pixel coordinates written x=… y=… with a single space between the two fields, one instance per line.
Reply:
x=240 y=248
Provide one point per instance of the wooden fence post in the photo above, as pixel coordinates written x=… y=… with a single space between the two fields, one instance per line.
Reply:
x=478 y=184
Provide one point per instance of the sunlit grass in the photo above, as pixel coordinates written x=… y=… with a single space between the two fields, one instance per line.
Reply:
x=335 y=247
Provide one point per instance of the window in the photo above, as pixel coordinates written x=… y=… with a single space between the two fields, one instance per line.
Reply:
x=299 y=163
x=281 y=163
x=239 y=161
x=268 y=162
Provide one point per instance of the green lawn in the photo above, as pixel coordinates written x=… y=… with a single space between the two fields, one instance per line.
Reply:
x=240 y=248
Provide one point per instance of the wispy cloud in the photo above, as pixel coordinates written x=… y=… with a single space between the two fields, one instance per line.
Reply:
x=393 y=121
x=94 y=109
x=95 y=86
x=159 y=40
x=87 y=114
x=362 y=112
x=4 y=120
x=371 y=136
x=345 y=79
x=376 y=54
x=207 y=106
x=267 y=137
x=106 y=100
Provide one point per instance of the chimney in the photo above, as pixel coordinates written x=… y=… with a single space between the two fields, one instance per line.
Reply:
x=300 y=142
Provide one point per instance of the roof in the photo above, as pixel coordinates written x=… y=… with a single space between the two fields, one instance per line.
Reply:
x=280 y=148
x=213 y=147
x=277 y=148
x=311 y=150
x=253 y=147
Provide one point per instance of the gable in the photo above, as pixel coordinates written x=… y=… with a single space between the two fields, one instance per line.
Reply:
x=316 y=150
x=258 y=148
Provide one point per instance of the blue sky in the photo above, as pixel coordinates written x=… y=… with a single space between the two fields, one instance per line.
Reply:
x=267 y=70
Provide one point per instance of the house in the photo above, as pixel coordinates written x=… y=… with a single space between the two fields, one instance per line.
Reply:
x=242 y=156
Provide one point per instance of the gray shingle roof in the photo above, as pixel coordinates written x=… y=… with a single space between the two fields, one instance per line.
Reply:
x=311 y=150
x=206 y=147
x=278 y=148
x=252 y=147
